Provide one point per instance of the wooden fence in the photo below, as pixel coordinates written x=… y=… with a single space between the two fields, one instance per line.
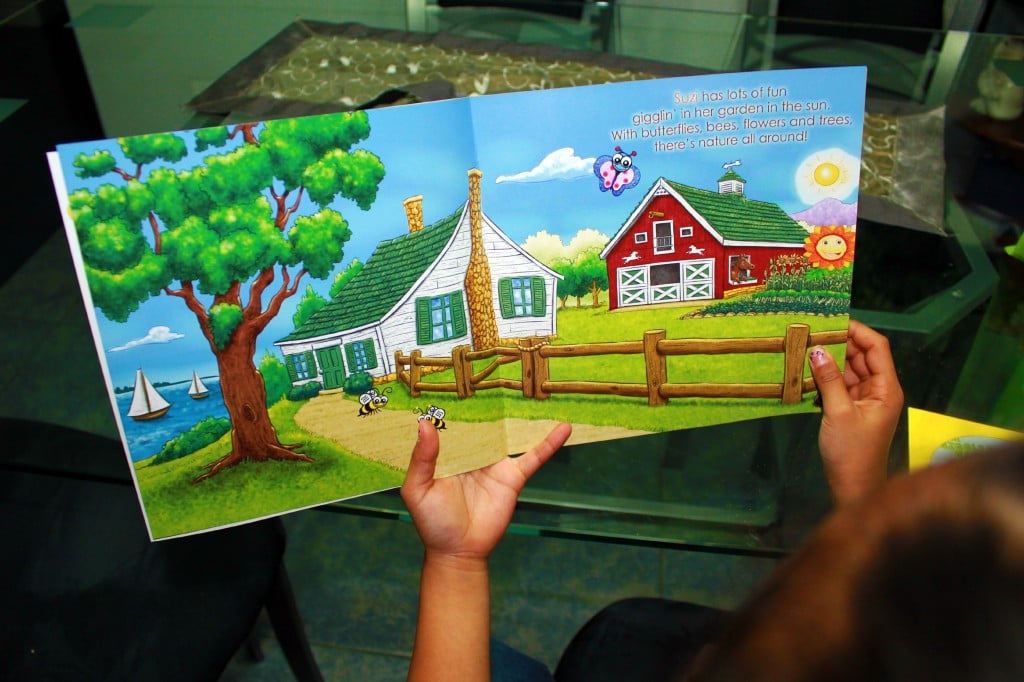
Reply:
x=534 y=355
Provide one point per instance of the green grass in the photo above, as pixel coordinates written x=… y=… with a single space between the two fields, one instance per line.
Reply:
x=174 y=505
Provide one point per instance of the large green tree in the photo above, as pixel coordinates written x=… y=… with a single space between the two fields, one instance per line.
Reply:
x=229 y=236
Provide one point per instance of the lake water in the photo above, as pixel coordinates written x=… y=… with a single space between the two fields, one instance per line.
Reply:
x=146 y=438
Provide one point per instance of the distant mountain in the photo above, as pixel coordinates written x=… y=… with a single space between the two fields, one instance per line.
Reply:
x=828 y=212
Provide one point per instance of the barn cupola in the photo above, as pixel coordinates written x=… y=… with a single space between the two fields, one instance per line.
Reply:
x=731 y=182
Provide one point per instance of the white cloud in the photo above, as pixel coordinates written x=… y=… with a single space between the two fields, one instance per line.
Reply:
x=158 y=334
x=549 y=248
x=561 y=164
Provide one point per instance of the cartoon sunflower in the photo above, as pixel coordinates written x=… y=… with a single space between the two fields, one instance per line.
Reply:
x=830 y=246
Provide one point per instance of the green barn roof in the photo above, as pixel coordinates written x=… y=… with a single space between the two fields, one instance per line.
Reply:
x=738 y=218
x=388 y=275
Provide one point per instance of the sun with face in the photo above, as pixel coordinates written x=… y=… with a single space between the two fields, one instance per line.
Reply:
x=827 y=173
x=830 y=247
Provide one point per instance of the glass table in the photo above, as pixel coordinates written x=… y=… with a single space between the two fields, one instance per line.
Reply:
x=944 y=290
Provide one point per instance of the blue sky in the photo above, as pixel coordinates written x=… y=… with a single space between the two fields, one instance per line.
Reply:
x=428 y=148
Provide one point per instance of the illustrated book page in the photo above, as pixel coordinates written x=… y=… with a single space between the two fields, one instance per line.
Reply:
x=277 y=304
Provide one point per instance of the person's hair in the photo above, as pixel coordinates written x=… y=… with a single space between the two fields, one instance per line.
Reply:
x=933 y=591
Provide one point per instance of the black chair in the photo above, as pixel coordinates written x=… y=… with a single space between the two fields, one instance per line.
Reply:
x=87 y=596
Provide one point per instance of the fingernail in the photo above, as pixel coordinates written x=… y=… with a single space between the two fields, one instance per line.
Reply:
x=818 y=356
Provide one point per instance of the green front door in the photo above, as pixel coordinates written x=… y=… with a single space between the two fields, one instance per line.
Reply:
x=331 y=367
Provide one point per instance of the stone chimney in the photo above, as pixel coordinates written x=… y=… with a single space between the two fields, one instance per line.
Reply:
x=414 y=212
x=479 y=295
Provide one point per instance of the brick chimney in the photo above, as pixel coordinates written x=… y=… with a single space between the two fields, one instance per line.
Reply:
x=414 y=212
x=479 y=295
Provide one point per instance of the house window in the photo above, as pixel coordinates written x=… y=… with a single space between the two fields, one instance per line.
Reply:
x=685 y=231
x=300 y=366
x=663 y=236
x=440 y=318
x=522 y=297
x=640 y=238
x=360 y=356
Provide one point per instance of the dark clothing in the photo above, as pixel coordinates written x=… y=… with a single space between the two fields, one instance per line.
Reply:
x=639 y=639
x=644 y=638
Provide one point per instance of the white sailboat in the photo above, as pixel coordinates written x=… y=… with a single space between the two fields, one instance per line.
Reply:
x=146 y=402
x=197 y=390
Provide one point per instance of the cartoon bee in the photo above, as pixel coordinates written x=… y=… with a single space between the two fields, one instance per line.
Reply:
x=371 y=402
x=617 y=172
x=434 y=415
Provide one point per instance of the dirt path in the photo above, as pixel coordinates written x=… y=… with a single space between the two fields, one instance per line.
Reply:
x=389 y=435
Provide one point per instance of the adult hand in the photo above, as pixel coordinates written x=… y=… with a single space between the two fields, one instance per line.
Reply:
x=861 y=408
x=466 y=515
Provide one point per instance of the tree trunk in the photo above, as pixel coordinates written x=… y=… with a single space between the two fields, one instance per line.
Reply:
x=253 y=436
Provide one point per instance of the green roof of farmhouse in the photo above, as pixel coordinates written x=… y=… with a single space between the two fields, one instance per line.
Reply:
x=738 y=218
x=388 y=274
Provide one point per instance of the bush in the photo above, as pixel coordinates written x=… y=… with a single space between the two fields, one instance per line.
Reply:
x=275 y=378
x=199 y=436
x=304 y=391
x=358 y=383
x=792 y=302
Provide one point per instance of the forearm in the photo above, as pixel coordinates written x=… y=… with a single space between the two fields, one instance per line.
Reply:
x=453 y=625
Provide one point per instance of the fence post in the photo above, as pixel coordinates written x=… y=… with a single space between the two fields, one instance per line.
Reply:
x=399 y=366
x=463 y=372
x=540 y=368
x=527 y=359
x=657 y=367
x=795 y=350
x=414 y=373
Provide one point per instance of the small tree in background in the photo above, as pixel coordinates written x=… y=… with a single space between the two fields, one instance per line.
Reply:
x=308 y=305
x=275 y=377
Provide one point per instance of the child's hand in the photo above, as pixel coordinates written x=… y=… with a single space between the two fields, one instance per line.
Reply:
x=861 y=408
x=466 y=515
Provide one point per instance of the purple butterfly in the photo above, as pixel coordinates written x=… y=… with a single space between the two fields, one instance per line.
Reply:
x=616 y=173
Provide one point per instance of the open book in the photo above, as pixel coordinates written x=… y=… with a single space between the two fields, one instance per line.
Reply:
x=277 y=304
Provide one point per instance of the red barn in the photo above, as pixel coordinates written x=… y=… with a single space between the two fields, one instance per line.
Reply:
x=682 y=243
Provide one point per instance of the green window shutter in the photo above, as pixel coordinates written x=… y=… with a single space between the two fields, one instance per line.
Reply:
x=458 y=315
x=539 y=293
x=311 y=370
x=289 y=363
x=371 y=354
x=505 y=297
x=423 y=335
x=350 y=356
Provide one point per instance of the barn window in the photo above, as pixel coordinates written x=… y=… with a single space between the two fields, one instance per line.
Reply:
x=663 y=242
x=640 y=238
x=360 y=355
x=685 y=231
x=440 y=318
x=740 y=267
x=522 y=297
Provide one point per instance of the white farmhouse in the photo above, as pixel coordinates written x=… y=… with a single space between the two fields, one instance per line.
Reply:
x=459 y=281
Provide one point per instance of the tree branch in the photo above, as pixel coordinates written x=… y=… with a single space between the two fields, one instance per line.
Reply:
x=156 y=233
x=187 y=293
x=232 y=296
x=259 y=285
x=283 y=294
x=284 y=214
